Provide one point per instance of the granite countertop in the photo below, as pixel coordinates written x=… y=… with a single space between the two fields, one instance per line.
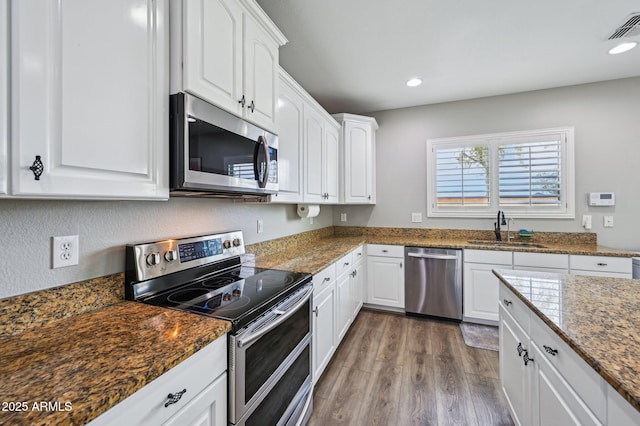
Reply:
x=596 y=316
x=88 y=363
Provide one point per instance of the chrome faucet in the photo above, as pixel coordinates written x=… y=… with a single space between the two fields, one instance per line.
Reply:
x=496 y=225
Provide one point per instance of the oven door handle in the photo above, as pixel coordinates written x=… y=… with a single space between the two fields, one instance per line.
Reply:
x=281 y=316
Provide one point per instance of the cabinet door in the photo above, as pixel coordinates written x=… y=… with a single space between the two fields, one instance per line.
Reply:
x=4 y=98
x=314 y=136
x=345 y=305
x=260 y=75
x=331 y=164
x=93 y=110
x=290 y=124
x=358 y=163
x=324 y=328
x=213 y=52
x=481 y=291
x=357 y=288
x=208 y=408
x=514 y=375
x=385 y=283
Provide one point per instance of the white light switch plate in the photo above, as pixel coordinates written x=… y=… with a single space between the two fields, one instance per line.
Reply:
x=343 y=217
x=416 y=217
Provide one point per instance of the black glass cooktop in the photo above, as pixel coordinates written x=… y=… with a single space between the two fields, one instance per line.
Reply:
x=238 y=295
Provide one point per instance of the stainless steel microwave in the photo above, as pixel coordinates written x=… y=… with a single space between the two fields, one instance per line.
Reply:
x=213 y=152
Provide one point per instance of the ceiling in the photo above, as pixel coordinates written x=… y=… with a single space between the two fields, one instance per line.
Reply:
x=356 y=55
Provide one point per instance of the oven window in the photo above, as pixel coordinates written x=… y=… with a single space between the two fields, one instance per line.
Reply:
x=276 y=402
x=218 y=151
x=264 y=356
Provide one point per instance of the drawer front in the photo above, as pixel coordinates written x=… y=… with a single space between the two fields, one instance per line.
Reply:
x=358 y=254
x=324 y=278
x=581 y=377
x=601 y=263
x=542 y=260
x=147 y=406
x=516 y=307
x=491 y=257
x=385 y=250
x=344 y=264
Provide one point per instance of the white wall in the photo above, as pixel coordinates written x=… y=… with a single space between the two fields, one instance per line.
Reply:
x=105 y=227
x=606 y=117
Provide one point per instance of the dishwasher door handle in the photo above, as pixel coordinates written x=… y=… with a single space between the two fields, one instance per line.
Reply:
x=433 y=256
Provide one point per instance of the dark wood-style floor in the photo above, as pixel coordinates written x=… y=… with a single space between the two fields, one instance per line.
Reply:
x=397 y=370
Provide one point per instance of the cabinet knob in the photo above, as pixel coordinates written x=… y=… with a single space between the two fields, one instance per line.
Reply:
x=242 y=101
x=252 y=106
x=369 y=197
x=507 y=302
x=400 y=265
x=326 y=279
x=37 y=167
x=520 y=349
x=385 y=251
x=602 y=264
x=316 y=310
x=526 y=357
x=550 y=350
x=174 y=397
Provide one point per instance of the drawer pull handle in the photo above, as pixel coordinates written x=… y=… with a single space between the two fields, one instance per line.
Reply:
x=174 y=397
x=359 y=254
x=37 y=168
x=526 y=357
x=346 y=263
x=602 y=264
x=316 y=310
x=520 y=349
x=550 y=350
x=385 y=251
x=507 y=302
x=326 y=279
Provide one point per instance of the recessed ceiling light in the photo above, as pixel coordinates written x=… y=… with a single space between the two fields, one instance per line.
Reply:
x=621 y=48
x=414 y=82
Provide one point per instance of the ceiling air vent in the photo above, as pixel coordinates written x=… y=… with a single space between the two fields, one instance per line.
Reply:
x=629 y=29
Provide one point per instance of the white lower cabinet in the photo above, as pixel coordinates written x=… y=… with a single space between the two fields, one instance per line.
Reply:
x=4 y=95
x=601 y=266
x=480 y=287
x=201 y=380
x=543 y=262
x=345 y=305
x=324 y=326
x=385 y=276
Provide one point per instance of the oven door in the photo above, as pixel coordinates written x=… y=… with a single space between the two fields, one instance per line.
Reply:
x=270 y=364
x=212 y=150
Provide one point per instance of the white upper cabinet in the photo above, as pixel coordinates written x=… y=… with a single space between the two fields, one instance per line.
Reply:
x=321 y=158
x=290 y=129
x=226 y=52
x=89 y=99
x=4 y=98
x=357 y=168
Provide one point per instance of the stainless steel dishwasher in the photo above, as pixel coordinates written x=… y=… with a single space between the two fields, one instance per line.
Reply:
x=433 y=282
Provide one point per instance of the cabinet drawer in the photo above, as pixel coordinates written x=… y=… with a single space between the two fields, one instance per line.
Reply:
x=358 y=254
x=542 y=260
x=385 y=250
x=516 y=307
x=489 y=256
x=324 y=278
x=147 y=406
x=579 y=375
x=344 y=264
x=601 y=263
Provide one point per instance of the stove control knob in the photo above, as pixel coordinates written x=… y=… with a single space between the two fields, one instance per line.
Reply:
x=226 y=244
x=153 y=259
x=226 y=297
x=236 y=292
x=236 y=242
x=170 y=255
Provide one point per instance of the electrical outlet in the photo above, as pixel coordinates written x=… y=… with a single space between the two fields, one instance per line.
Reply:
x=343 y=217
x=64 y=251
x=586 y=221
x=608 y=221
x=416 y=217
x=260 y=226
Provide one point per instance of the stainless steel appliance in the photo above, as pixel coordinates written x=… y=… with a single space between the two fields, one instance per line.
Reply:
x=216 y=153
x=269 y=365
x=635 y=271
x=433 y=282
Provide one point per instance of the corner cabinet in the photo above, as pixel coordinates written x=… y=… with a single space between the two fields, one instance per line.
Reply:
x=89 y=102
x=321 y=156
x=4 y=94
x=357 y=165
x=226 y=52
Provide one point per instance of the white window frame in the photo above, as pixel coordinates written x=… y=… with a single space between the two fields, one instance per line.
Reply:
x=493 y=140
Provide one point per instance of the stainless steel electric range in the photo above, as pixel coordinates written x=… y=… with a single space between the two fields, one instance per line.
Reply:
x=269 y=363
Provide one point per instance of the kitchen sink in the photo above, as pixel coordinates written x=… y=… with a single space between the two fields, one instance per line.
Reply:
x=493 y=243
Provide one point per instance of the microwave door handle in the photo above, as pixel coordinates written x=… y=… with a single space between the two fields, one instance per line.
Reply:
x=279 y=319
x=261 y=143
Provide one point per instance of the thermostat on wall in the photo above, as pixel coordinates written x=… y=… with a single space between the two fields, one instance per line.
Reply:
x=602 y=199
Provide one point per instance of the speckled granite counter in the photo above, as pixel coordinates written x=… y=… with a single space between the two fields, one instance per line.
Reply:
x=89 y=362
x=596 y=316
